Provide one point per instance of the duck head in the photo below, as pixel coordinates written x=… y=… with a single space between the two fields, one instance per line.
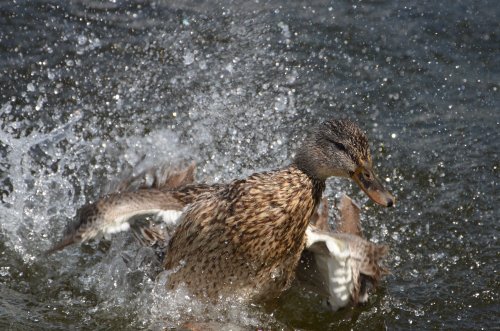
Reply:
x=340 y=148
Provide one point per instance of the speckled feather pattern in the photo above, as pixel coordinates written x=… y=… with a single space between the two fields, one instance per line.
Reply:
x=364 y=263
x=244 y=239
x=348 y=133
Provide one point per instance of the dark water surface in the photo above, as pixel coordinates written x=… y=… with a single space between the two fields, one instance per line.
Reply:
x=90 y=88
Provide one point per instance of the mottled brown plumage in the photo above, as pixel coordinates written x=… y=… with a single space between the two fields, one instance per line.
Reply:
x=244 y=238
x=247 y=238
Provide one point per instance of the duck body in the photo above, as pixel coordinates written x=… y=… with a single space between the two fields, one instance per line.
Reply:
x=245 y=239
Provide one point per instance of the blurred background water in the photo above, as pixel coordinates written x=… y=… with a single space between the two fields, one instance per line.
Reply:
x=88 y=89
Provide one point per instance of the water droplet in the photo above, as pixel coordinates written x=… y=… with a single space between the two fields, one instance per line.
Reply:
x=188 y=58
x=82 y=40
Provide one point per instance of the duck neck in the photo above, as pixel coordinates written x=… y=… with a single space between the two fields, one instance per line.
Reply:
x=317 y=184
x=314 y=164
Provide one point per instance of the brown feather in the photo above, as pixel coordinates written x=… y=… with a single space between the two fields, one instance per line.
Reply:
x=320 y=216
x=241 y=239
x=250 y=234
x=349 y=221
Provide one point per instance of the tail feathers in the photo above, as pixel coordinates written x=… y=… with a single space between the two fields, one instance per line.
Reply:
x=151 y=235
x=370 y=265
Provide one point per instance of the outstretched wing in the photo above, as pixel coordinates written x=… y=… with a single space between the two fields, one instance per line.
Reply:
x=332 y=262
x=116 y=212
x=152 y=192
x=341 y=264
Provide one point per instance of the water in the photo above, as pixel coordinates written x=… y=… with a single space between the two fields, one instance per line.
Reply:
x=89 y=89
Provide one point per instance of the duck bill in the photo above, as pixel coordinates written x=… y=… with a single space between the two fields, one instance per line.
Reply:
x=372 y=186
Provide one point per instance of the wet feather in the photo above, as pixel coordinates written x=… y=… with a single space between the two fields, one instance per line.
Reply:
x=243 y=238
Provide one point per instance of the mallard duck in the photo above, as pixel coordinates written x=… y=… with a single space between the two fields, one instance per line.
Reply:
x=340 y=265
x=243 y=238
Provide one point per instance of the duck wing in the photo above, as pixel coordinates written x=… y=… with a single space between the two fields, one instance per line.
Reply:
x=341 y=265
x=162 y=192
x=349 y=220
x=327 y=267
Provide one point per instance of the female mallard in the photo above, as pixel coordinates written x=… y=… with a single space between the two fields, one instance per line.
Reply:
x=244 y=238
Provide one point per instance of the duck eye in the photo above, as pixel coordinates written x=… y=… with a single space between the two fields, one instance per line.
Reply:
x=367 y=175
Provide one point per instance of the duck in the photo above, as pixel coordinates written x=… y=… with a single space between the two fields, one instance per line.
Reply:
x=339 y=264
x=243 y=239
